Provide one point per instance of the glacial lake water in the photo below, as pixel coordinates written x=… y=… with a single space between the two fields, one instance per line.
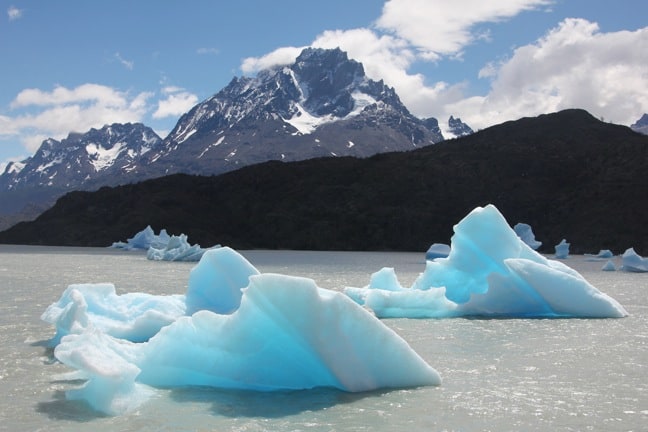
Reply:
x=498 y=374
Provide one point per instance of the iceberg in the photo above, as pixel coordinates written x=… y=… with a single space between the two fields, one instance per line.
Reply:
x=631 y=261
x=177 y=249
x=215 y=284
x=144 y=240
x=605 y=253
x=437 y=250
x=489 y=272
x=133 y=316
x=525 y=232
x=608 y=266
x=274 y=332
x=562 y=249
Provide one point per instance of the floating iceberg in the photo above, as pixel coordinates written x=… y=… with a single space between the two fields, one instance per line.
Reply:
x=608 y=266
x=144 y=240
x=525 y=233
x=490 y=272
x=177 y=249
x=562 y=249
x=633 y=262
x=215 y=284
x=605 y=253
x=163 y=247
x=283 y=333
x=134 y=316
x=437 y=250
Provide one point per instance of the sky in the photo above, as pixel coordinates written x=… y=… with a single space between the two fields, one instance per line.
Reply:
x=69 y=65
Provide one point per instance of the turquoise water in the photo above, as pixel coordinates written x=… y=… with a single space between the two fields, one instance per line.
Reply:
x=499 y=375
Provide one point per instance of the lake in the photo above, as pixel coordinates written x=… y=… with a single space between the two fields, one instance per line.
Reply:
x=498 y=374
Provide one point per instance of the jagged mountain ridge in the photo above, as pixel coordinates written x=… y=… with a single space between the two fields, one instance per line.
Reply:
x=567 y=174
x=321 y=105
x=100 y=154
x=458 y=128
x=641 y=125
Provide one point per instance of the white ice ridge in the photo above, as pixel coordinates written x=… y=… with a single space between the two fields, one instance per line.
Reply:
x=283 y=332
x=490 y=271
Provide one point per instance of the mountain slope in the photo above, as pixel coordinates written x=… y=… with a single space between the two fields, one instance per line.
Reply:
x=567 y=174
x=321 y=105
x=99 y=155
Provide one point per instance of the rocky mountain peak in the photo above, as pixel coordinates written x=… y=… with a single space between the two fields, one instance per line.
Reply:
x=641 y=125
x=458 y=128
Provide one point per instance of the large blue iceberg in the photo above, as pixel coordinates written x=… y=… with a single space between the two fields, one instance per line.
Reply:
x=489 y=272
x=247 y=331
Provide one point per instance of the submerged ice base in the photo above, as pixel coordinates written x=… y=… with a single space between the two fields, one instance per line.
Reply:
x=490 y=271
x=273 y=332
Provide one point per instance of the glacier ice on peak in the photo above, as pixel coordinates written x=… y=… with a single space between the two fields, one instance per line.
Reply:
x=490 y=271
x=274 y=332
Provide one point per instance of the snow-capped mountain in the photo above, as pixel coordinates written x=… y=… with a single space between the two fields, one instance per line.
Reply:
x=99 y=156
x=321 y=105
x=641 y=125
x=458 y=128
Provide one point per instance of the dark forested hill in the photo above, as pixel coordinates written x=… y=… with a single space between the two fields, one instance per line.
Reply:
x=566 y=174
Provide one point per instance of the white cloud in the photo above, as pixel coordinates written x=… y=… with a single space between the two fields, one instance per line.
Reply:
x=177 y=102
x=14 y=13
x=417 y=30
x=573 y=66
x=440 y=27
x=281 y=56
x=41 y=114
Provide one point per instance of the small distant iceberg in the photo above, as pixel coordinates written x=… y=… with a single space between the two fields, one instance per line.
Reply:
x=631 y=261
x=490 y=272
x=163 y=247
x=525 y=232
x=608 y=266
x=562 y=249
x=437 y=250
x=603 y=254
x=177 y=249
x=144 y=240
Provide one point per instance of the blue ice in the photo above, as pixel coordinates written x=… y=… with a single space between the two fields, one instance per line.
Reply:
x=525 y=232
x=177 y=249
x=562 y=249
x=631 y=261
x=144 y=240
x=246 y=330
x=437 y=250
x=490 y=271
